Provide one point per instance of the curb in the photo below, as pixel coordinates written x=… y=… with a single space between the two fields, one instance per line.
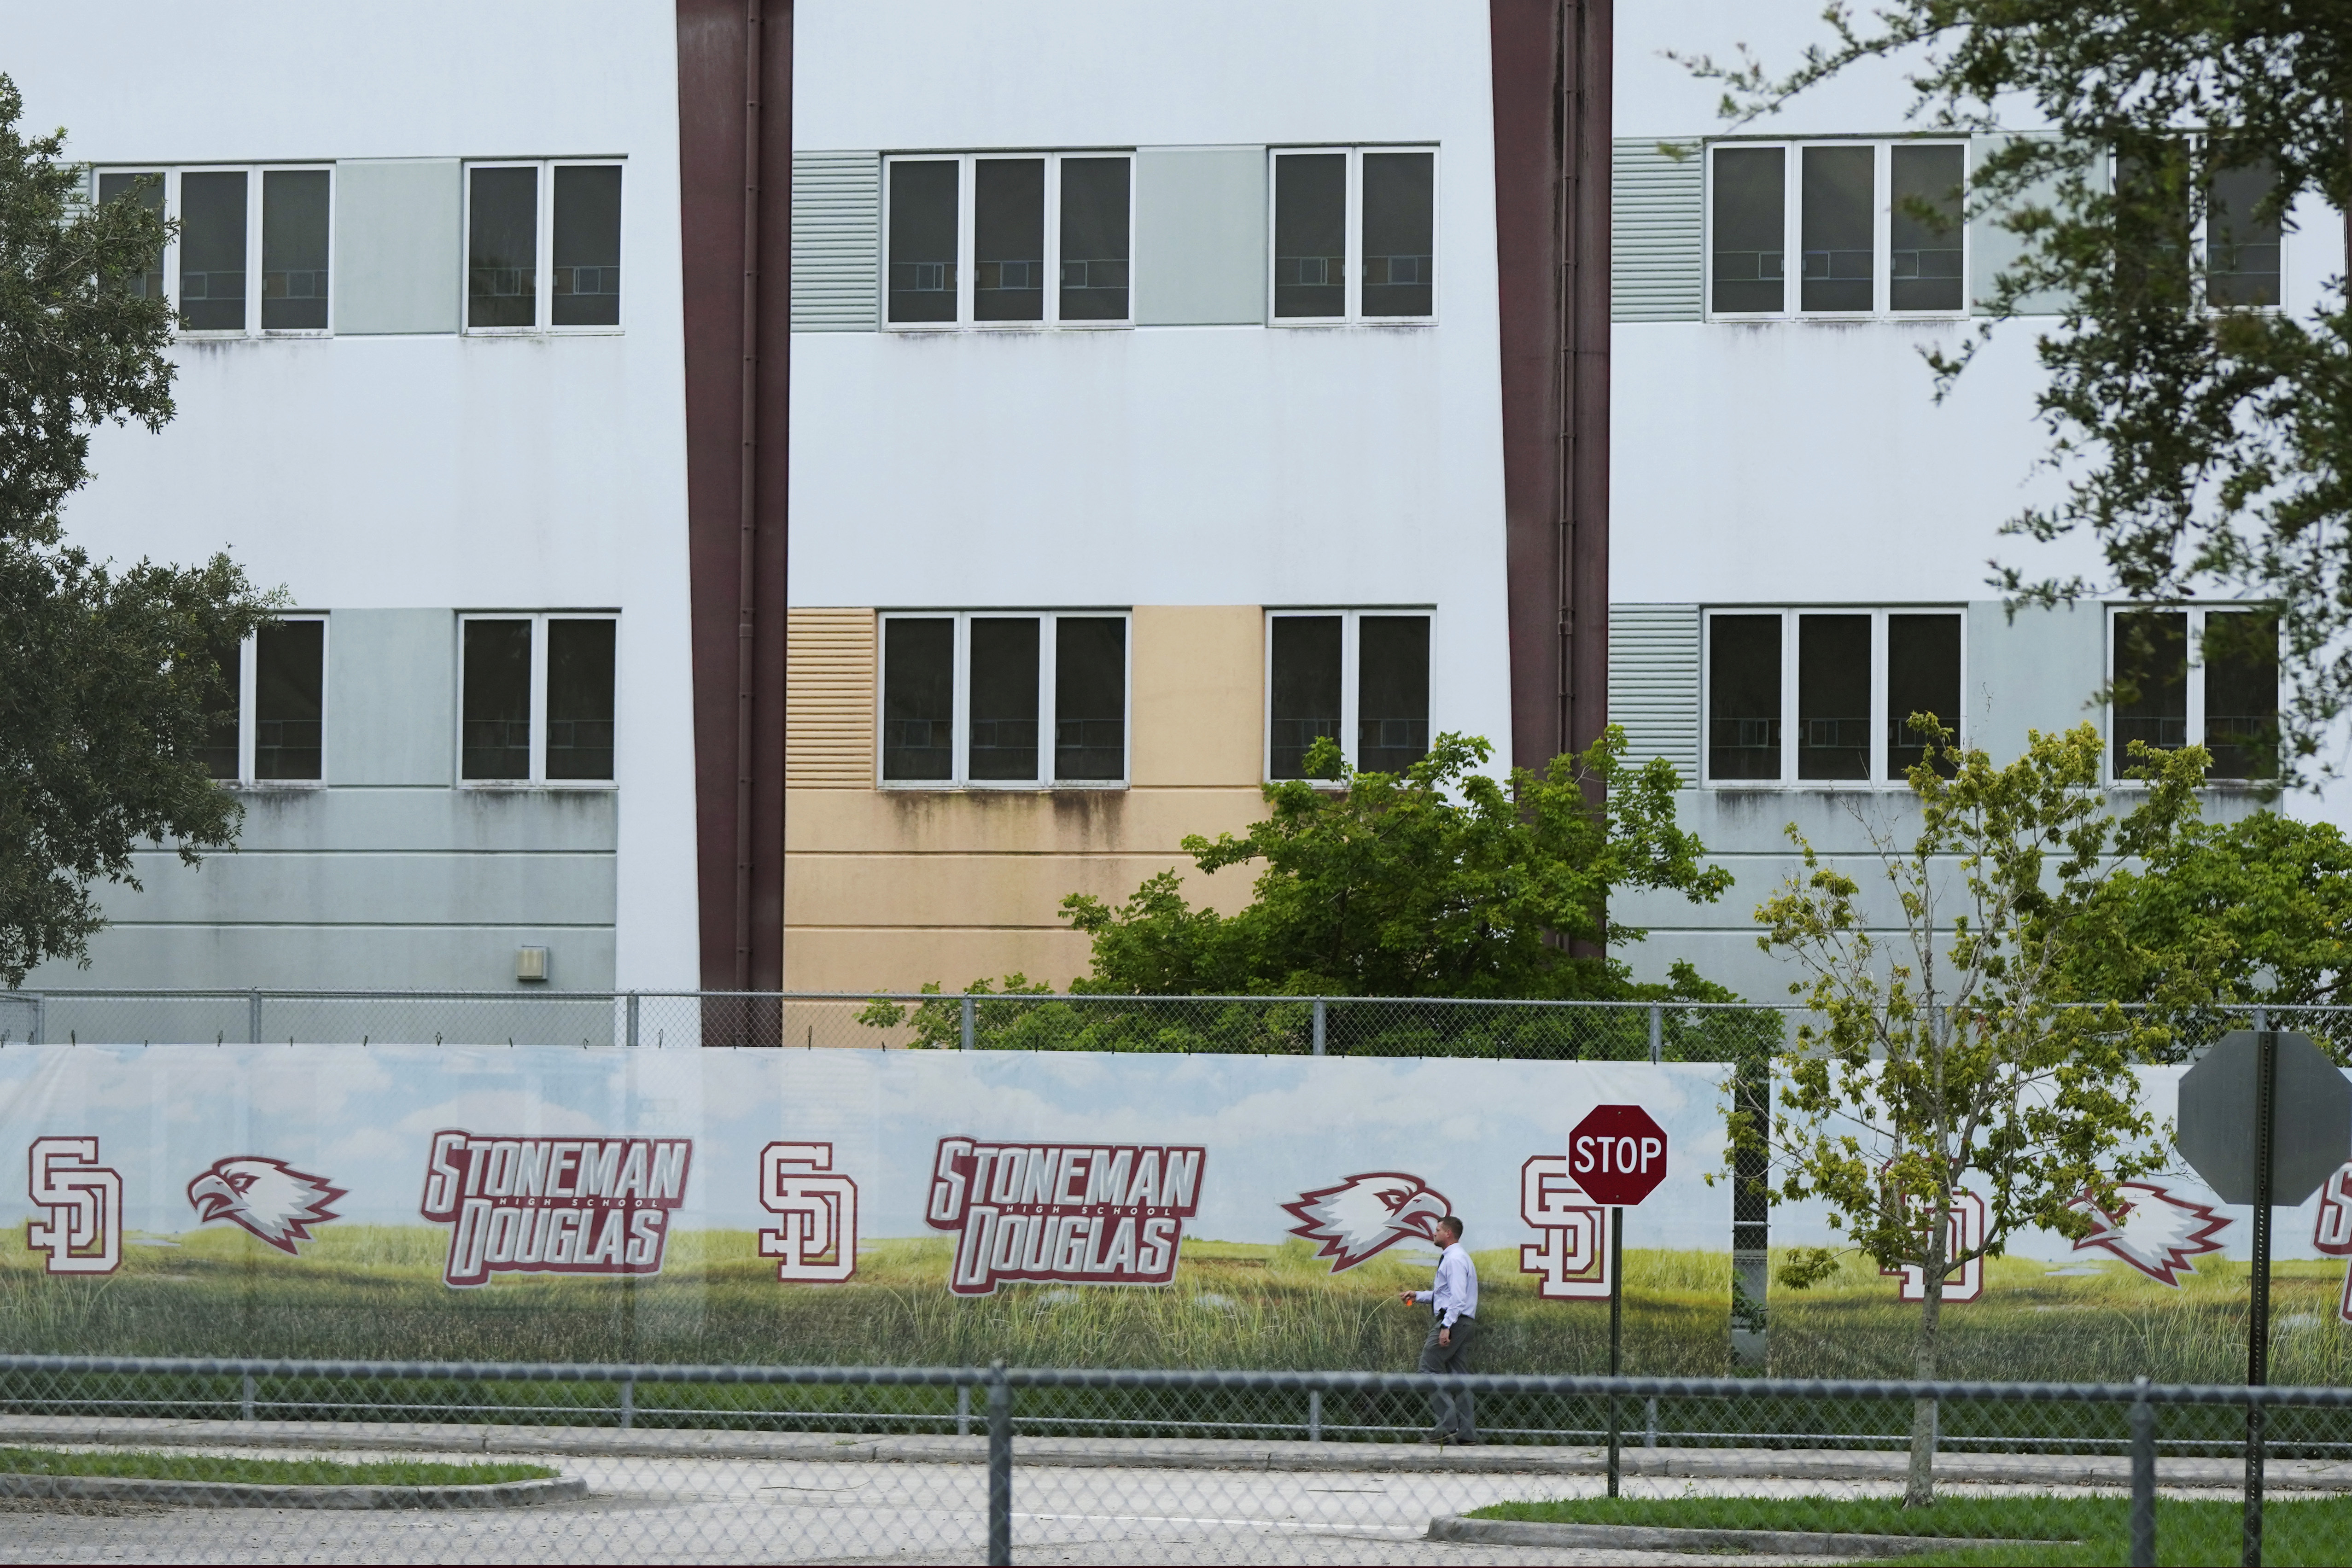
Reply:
x=1662 y=1537
x=272 y=1494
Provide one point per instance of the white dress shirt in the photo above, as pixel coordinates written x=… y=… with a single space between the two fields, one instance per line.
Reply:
x=1456 y=1295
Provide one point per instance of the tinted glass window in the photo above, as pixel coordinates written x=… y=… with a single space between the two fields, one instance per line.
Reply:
x=1749 y=222
x=1003 y=697
x=580 y=699
x=1093 y=239
x=921 y=279
x=220 y=713
x=1923 y=676
x=2242 y=255
x=917 y=697
x=2241 y=694
x=1090 y=697
x=1923 y=251
x=1305 y=702
x=211 y=252
x=494 y=730
x=289 y=699
x=1743 y=677
x=2151 y=682
x=1391 y=691
x=1311 y=234
x=1840 y=256
x=587 y=263
x=294 y=249
x=147 y=190
x=1008 y=250
x=502 y=251
x=1833 y=697
x=1399 y=234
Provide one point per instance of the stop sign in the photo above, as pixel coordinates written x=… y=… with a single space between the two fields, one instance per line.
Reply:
x=1617 y=1154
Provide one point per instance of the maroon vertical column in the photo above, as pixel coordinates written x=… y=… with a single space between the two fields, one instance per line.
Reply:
x=1551 y=95
x=734 y=63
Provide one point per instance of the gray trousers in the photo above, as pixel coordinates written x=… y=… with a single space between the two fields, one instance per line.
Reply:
x=1456 y=1413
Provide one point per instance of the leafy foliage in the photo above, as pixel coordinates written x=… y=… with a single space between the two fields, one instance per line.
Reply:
x=104 y=672
x=1956 y=1065
x=2205 y=441
x=1439 y=881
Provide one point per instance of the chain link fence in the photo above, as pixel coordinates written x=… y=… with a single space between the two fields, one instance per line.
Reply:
x=138 y=1460
x=1282 y=1026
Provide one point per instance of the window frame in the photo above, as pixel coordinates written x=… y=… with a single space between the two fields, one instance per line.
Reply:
x=1351 y=311
x=2200 y=244
x=543 y=323
x=1350 y=676
x=2193 y=685
x=1793 y=196
x=1791 y=630
x=967 y=241
x=540 y=620
x=255 y=194
x=960 y=677
x=248 y=681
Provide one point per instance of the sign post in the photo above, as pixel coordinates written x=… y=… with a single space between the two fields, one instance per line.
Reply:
x=2264 y=1117
x=1618 y=1156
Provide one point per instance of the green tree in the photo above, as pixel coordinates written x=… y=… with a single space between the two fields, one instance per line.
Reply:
x=2204 y=436
x=1948 y=1060
x=105 y=672
x=1438 y=881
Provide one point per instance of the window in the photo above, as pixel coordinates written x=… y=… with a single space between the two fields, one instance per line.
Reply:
x=542 y=247
x=269 y=726
x=994 y=699
x=1875 y=227
x=1355 y=235
x=146 y=188
x=228 y=218
x=536 y=699
x=1359 y=676
x=2224 y=699
x=1851 y=678
x=1035 y=240
x=2243 y=253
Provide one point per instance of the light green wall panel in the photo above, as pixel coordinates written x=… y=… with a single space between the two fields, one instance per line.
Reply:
x=390 y=676
x=398 y=252
x=1200 y=236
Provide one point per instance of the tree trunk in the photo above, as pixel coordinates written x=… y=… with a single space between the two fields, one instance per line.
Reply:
x=1919 y=1487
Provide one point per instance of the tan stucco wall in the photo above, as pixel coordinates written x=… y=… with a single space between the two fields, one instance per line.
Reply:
x=886 y=889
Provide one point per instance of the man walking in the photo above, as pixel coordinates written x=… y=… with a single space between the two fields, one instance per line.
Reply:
x=1454 y=1322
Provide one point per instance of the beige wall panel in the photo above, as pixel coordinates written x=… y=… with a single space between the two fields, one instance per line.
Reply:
x=977 y=890
x=1199 y=682
x=869 y=960
x=829 y=699
x=1006 y=821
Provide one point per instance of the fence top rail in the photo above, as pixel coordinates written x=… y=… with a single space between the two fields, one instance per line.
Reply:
x=1182 y=1379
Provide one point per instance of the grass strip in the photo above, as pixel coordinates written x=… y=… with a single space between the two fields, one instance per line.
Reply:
x=178 y=1467
x=2029 y=1529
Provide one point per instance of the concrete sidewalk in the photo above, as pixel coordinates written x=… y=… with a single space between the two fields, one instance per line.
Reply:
x=1160 y=1453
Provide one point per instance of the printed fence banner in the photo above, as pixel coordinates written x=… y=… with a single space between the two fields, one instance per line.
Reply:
x=823 y=1205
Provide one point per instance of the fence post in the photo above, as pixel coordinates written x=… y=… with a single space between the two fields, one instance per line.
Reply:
x=1657 y=1033
x=1314 y=1415
x=633 y=1021
x=2143 y=1480
x=1318 y=1026
x=244 y=1402
x=967 y=1010
x=1000 y=1463
x=40 y=1018
x=252 y=1017
x=1650 y=1423
x=963 y=1410
x=628 y=1403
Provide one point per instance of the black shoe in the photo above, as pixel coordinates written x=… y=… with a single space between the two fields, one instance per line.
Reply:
x=1464 y=1442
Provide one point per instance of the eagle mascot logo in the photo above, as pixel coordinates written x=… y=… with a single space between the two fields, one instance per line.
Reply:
x=1365 y=1214
x=268 y=1197
x=2156 y=1232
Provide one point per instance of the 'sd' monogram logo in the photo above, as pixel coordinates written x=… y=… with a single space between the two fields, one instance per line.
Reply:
x=83 y=1200
x=815 y=1238
x=1571 y=1262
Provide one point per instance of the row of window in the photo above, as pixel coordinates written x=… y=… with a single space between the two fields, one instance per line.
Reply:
x=535 y=702
x=542 y=245
x=1851 y=679
x=1047 y=239
x=1876 y=229
x=1041 y=700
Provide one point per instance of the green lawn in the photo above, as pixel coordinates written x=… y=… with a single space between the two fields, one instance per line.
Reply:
x=178 y=1467
x=2061 y=1530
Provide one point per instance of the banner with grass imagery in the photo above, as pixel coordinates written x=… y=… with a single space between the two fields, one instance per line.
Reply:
x=834 y=1206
